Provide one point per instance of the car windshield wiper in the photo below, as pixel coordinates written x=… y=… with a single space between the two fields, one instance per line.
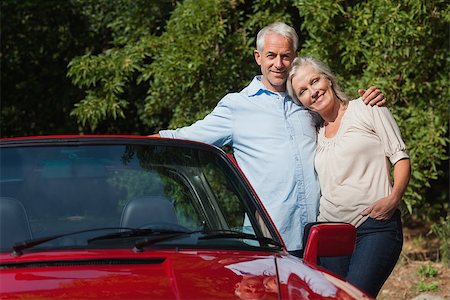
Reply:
x=221 y=234
x=139 y=246
x=161 y=235
x=19 y=247
x=133 y=232
x=126 y=232
x=206 y=234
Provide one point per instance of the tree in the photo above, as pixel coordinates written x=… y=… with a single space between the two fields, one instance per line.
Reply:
x=39 y=38
x=110 y=77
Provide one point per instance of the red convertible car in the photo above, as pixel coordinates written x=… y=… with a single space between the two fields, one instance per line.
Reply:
x=128 y=217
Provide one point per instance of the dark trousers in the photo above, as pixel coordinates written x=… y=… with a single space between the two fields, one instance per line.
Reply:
x=298 y=253
x=378 y=247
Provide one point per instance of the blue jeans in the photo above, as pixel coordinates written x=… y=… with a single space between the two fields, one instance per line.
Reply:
x=298 y=253
x=378 y=247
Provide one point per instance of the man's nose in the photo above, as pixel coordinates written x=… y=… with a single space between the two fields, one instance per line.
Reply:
x=278 y=62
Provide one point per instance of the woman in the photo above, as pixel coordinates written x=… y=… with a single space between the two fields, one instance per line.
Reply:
x=357 y=144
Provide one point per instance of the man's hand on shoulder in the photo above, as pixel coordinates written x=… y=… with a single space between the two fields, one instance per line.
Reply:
x=372 y=96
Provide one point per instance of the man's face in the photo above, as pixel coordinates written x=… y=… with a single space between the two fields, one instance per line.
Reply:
x=250 y=287
x=275 y=61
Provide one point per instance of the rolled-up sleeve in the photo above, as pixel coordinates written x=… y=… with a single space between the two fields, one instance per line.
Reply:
x=216 y=128
x=389 y=132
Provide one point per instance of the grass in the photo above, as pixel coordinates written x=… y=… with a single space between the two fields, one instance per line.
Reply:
x=427 y=271
x=424 y=265
x=427 y=287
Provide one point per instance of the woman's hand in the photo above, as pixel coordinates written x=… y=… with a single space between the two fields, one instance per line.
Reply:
x=382 y=209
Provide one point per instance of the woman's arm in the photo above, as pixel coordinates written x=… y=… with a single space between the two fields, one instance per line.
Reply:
x=384 y=208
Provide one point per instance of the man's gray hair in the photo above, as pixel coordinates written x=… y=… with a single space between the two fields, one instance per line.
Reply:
x=280 y=28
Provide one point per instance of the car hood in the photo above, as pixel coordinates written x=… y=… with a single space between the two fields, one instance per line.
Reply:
x=125 y=275
x=166 y=274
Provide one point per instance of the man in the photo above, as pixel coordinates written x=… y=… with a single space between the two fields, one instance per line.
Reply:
x=273 y=139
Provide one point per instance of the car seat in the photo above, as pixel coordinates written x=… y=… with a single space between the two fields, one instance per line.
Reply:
x=147 y=210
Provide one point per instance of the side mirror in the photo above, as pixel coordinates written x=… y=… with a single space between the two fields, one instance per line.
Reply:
x=328 y=239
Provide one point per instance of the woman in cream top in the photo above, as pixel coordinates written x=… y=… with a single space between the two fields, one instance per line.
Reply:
x=358 y=158
x=357 y=145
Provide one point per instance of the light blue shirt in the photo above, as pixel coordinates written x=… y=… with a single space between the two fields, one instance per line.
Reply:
x=274 y=142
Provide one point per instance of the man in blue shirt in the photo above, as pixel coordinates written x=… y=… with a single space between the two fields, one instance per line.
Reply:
x=273 y=139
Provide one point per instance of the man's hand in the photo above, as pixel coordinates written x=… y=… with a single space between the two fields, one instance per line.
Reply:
x=372 y=96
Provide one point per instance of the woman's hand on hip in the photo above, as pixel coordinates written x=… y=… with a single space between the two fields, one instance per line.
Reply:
x=382 y=209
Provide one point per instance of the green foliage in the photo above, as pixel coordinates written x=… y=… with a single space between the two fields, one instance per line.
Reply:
x=426 y=139
x=179 y=75
x=109 y=77
x=322 y=24
x=106 y=77
x=442 y=230
x=427 y=271
x=427 y=287
x=126 y=20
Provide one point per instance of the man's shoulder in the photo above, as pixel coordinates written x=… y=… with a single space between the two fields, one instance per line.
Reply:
x=253 y=87
x=237 y=97
x=233 y=97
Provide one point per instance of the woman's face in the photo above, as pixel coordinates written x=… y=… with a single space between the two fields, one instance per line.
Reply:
x=313 y=89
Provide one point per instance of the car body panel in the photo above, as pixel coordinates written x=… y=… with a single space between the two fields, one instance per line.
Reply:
x=184 y=274
x=187 y=274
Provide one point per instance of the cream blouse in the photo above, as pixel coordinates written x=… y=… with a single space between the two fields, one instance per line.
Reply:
x=354 y=165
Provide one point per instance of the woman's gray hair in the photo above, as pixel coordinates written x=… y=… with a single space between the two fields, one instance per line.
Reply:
x=321 y=68
x=280 y=28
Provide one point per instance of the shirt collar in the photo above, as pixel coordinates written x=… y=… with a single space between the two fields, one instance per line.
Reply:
x=257 y=88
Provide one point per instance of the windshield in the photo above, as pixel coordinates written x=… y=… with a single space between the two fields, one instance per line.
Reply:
x=56 y=190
